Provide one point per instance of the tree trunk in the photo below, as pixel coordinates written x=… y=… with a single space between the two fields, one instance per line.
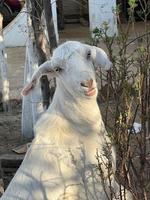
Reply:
x=51 y=33
x=3 y=69
x=50 y=25
x=60 y=15
x=36 y=14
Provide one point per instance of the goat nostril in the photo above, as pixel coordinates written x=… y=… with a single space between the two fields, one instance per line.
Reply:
x=84 y=84
x=88 y=83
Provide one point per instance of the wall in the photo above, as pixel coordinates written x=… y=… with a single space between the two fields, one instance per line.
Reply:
x=15 y=33
x=101 y=11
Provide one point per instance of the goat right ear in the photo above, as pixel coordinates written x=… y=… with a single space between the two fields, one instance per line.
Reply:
x=45 y=68
x=100 y=58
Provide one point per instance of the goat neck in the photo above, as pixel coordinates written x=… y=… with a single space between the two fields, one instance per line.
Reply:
x=82 y=113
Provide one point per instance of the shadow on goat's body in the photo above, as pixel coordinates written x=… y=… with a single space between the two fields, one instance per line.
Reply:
x=61 y=162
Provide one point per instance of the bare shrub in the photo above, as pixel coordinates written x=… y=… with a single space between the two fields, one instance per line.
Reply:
x=126 y=93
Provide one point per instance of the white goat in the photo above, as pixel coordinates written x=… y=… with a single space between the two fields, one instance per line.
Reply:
x=61 y=163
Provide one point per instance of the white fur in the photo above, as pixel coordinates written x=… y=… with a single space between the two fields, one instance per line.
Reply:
x=61 y=163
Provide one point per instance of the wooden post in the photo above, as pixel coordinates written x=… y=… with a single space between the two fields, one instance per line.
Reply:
x=3 y=69
x=27 y=116
x=60 y=15
x=32 y=105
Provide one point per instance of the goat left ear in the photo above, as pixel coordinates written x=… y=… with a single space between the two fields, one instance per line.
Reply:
x=100 y=58
x=45 y=68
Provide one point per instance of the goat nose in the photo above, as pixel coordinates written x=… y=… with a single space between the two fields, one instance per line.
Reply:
x=87 y=83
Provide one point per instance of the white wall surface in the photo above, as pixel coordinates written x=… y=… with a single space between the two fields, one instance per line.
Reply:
x=15 y=33
x=101 y=11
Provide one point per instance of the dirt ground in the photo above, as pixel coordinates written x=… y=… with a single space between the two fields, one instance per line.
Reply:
x=10 y=138
x=10 y=127
x=10 y=122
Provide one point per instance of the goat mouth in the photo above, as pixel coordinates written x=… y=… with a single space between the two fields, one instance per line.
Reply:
x=91 y=92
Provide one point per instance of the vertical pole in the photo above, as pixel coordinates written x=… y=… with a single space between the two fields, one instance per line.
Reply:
x=50 y=24
x=32 y=106
x=60 y=14
x=3 y=69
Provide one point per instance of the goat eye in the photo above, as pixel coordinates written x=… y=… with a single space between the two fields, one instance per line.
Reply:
x=88 y=54
x=58 y=69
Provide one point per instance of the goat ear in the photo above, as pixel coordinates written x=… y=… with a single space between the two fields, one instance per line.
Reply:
x=45 y=68
x=100 y=58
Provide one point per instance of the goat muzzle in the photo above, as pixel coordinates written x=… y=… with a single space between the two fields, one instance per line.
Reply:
x=87 y=83
x=91 y=90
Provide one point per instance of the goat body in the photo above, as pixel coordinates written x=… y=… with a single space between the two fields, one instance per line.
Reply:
x=61 y=163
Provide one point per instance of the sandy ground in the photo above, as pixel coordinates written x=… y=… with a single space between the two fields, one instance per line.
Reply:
x=10 y=128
